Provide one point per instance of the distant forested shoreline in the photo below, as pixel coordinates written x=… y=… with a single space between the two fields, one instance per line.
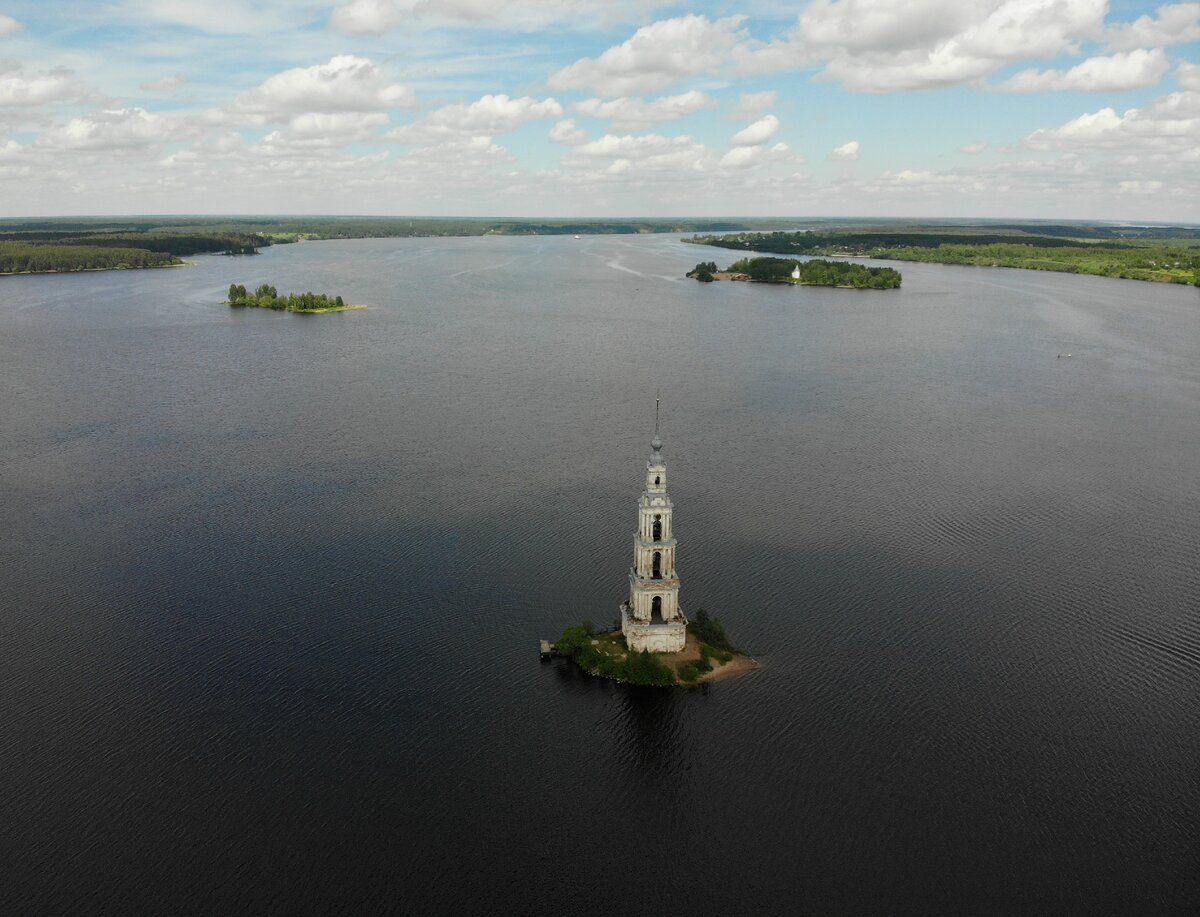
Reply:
x=1167 y=256
x=1143 y=252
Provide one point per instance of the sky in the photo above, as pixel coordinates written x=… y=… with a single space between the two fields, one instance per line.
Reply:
x=1057 y=109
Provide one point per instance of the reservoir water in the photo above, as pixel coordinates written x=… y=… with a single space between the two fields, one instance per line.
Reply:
x=271 y=588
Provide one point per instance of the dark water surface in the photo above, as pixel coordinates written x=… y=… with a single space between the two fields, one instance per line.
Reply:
x=271 y=587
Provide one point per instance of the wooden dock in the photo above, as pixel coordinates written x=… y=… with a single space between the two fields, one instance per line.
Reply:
x=547 y=649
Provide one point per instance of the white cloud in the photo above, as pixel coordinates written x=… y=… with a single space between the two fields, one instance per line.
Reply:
x=1167 y=128
x=165 y=84
x=116 y=129
x=655 y=56
x=630 y=147
x=973 y=149
x=1086 y=129
x=847 y=152
x=885 y=45
x=1122 y=71
x=346 y=83
x=1139 y=187
x=1176 y=23
x=757 y=133
x=341 y=127
x=745 y=157
x=566 y=132
x=8 y=25
x=487 y=116
x=751 y=104
x=638 y=114
x=1188 y=76
x=374 y=17
x=19 y=89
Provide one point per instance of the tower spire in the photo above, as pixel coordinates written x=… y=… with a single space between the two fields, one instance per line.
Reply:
x=656 y=400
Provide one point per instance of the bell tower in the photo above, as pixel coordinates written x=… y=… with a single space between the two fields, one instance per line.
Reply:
x=651 y=619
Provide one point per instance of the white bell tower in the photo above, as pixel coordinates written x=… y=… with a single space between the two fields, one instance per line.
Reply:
x=652 y=619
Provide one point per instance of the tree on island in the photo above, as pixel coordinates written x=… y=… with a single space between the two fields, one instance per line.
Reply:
x=704 y=271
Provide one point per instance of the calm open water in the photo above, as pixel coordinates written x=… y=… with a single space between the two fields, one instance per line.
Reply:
x=271 y=586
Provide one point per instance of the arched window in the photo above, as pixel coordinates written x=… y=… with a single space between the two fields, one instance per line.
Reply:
x=657 y=530
x=656 y=608
x=656 y=566
x=657 y=479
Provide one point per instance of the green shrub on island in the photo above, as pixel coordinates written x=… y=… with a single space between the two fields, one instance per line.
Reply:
x=708 y=630
x=704 y=271
x=267 y=297
x=688 y=671
x=607 y=655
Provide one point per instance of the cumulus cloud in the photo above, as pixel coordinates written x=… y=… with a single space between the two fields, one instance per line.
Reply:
x=1174 y=24
x=8 y=25
x=630 y=147
x=847 y=152
x=1117 y=72
x=1169 y=127
x=487 y=116
x=566 y=132
x=166 y=84
x=866 y=45
x=759 y=132
x=887 y=45
x=336 y=128
x=655 y=56
x=115 y=129
x=639 y=114
x=973 y=149
x=345 y=83
x=751 y=104
x=1188 y=76
x=20 y=89
x=745 y=157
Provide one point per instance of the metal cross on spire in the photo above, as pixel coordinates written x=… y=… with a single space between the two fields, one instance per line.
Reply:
x=656 y=400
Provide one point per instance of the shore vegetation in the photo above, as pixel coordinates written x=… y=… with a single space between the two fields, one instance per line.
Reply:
x=1165 y=257
x=707 y=655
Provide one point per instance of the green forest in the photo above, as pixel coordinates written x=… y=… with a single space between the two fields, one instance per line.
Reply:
x=267 y=297
x=1174 y=258
x=31 y=258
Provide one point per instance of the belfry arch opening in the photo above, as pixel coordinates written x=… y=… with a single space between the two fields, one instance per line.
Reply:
x=657 y=479
x=656 y=565
x=656 y=529
x=656 y=610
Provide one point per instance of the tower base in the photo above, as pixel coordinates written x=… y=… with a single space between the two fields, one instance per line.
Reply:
x=653 y=638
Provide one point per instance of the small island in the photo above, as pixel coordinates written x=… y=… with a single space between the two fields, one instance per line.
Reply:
x=266 y=297
x=819 y=273
x=707 y=655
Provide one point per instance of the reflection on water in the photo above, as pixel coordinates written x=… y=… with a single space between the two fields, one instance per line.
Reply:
x=270 y=588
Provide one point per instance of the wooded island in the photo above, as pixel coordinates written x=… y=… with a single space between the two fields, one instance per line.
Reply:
x=844 y=274
x=267 y=297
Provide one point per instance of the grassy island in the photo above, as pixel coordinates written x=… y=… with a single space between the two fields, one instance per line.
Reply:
x=708 y=655
x=1165 y=255
x=267 y=297
x=818 y=273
